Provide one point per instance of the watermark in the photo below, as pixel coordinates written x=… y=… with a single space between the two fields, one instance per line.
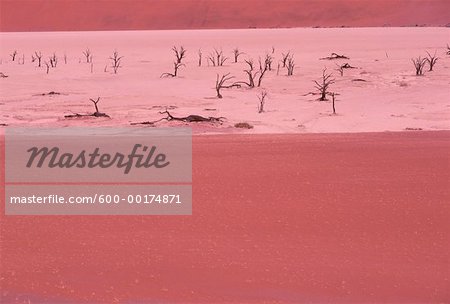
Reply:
x=98 y=171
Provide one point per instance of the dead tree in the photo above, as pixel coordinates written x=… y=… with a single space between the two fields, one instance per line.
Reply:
x=179 y=53
x=334 y=56
x=37 y=56
x=323 y=86
x=284 y=59
x=268 y=61
x=115 y=61
x=189 y=118
x=47 y=66
x=220 y=83
x=236 y=54
x=53 y=60
x=342 y=67
x=97 y=113
x=262 y=101
x=199 y=57
x=333 y=101
x=290 y=65
x=419 y=63
x=448 y=49
x=176 y=66
x=13 y=55
x=65 y=58
x=250 y=74
x=87 y=53
x=432 y=59
x=262 y=70
x=217 y=58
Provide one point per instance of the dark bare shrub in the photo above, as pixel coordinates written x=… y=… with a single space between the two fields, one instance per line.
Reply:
x=179 y=53
x=176 y=67
x=431 y=59
x=324 y=84
x=221 y=83
x=88 y=55
x=115 y=61
x=243 y=125
x=236 y=54
x=217 y=58
x=284 y=59
x=262 y=101
x=263 y=67
x=13 y=55
x=53 y=60
x=419 y=63
x=38 y=57
x=290 y=65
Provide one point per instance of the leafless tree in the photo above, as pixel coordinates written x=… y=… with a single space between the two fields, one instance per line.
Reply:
x=333 y=101
x=87 y=53
x=251 y=74
x=13 y=55
x=290 y=65
x=115 y=61
x=220 y=83
x=236 y=54
x=285 y=58
x=53 y=60
x=268 y=61
x=179 y=53
x=200 y=57
x=217 y=58
x=263 y=67
x=65 y=58
x=47 y=66
x=432 y=59
x=176 y=67
x=97 y=113
x=262 y=101
x=38 y=56
x=419 y=63
x=448 y=49
x=324 y=84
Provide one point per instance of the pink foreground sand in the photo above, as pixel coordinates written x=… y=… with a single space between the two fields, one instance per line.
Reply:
x=342 y=218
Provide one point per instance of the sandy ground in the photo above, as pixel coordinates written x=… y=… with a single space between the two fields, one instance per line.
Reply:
x=390 y=98
x=348 y=218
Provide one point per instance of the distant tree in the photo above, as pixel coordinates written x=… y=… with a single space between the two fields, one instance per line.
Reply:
x=290 y=65
x=419 y=63
x=88 y=55
x=179 y=53
x=13 y=55
x=236 y=54
x=324 y=84
x=262 y=101
x=115 y=61
x=220 y=83
x=431 y=59
x=176 y=66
